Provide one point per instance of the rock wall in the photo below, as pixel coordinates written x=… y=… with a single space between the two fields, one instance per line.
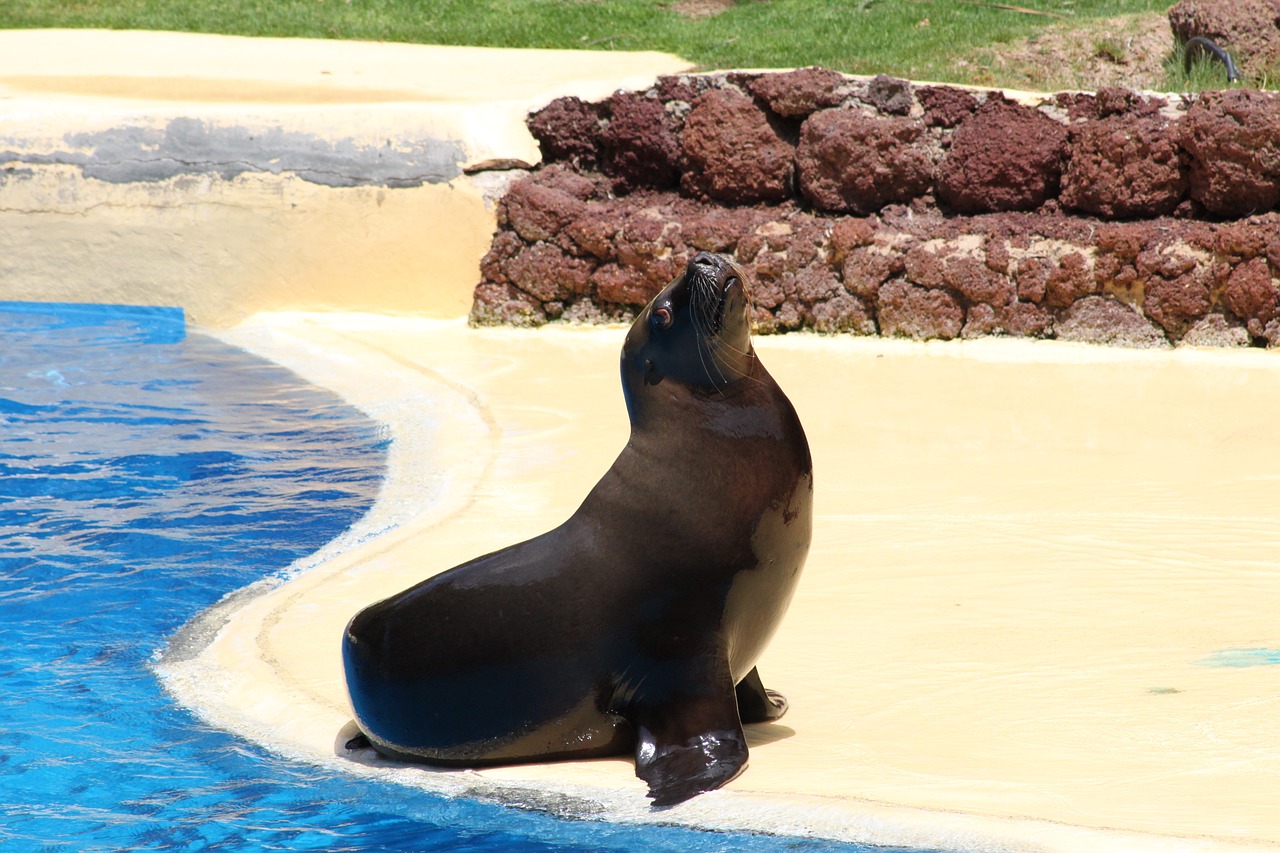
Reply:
x=881 y=207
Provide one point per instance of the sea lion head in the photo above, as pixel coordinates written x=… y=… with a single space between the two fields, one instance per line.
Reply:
x=696 y=332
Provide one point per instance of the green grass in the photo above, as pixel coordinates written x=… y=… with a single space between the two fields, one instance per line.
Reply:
x=1204 y=73
x=922 y=39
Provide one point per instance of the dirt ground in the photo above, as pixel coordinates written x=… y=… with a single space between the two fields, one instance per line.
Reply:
x=1124 y=51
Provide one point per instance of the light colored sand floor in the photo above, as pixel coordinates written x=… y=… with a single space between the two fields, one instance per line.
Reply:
x=1023 y=555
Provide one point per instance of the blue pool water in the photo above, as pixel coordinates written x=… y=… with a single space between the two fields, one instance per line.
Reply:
x=145 y=472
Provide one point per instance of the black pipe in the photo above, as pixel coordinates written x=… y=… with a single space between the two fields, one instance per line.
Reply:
x=1233 y=73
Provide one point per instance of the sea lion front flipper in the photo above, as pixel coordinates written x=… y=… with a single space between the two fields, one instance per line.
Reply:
x=689 y=748
x=756 y=704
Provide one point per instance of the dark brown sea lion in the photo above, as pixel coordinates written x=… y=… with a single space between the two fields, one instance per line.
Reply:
x=637 y=623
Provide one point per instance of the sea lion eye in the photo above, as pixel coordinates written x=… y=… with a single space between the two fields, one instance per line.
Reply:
x=662 y=317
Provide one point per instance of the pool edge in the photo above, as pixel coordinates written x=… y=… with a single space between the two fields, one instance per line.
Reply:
x=313 y=346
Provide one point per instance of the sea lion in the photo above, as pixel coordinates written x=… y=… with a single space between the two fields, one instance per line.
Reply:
x=637 y=623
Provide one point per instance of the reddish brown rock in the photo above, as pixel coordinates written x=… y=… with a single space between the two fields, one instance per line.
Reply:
x=1080 y=106
x=997 y=254
x=1238 y=241
x=567 y=129
x=1070 y=280
x=1233 y=139
x=844 y=313
x=619 y=285
x=813 y=284
x=1032 y=277
x=640 y=147
x=865 y=269
x=924 y=266
x=1165 y=261
x=717 y=229
x=647 y=234
x=1005 y=157
x=851 y=162
x=946 y=106
x=569 y=247
x=1099 y=320
x=969 y=276
x=1177 y=304
x=796 y=94
x=848 y=234
x=596 y=228
x=1250 y=294
x=1117 y=100
x=539 y=212
x=1017 y=319
x=735 y=154
x=1125 y=241
x=548 y=274
x=1025 y=319
x=1124 y=167
x=503 y=304
x=505 y=245
x=907 y=311
x=686 y=88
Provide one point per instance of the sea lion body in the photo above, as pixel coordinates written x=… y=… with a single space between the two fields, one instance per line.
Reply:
x=637 y=623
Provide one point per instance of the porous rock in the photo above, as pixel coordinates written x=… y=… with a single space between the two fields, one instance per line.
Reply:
x=735 y=152
x=946 y=106
x=908 y=311
x=796 y=94
x=1233 y=140
x=844 y=313
x=1251 y=295
x=537 y=211
x=548 y=274
x=1100 y=320
x=640 y=147
x=577 y=244
x=1007 y=156
x=567 y=129
x=1215 y=330
x=1178 y=303
x=851 y=162
x=1124 y=167
x=890 y=95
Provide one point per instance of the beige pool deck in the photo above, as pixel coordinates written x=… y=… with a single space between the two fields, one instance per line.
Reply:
x=1027 y=556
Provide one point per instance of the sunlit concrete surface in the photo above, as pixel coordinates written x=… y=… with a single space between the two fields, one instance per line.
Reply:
x=1026 y=557
x=234 y=175
x=1040 y=609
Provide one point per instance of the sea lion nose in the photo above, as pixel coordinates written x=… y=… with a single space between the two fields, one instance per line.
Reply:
x=705 y=259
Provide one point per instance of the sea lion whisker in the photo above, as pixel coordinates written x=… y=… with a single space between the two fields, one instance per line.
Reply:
x=719 y=379
x=748 y=356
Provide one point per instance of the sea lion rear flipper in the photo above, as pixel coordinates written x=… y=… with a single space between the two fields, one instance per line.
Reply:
x=757 y=704
x=684 y=750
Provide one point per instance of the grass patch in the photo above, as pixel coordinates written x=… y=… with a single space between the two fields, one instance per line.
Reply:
x=919 y=39
x=1204 y=72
